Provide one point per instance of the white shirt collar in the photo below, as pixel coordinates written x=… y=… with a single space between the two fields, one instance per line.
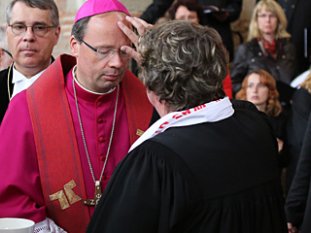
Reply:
x=21 y=82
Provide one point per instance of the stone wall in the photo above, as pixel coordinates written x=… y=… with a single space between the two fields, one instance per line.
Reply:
x=67 y=9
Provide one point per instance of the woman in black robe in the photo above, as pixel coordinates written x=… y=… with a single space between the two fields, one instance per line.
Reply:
x=206 y=165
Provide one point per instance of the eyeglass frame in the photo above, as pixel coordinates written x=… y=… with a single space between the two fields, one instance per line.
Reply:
x=6 y=51
x=108 y=54
x=264 y=15
x=46 y=28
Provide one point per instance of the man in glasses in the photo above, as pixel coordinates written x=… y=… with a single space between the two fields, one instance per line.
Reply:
x=32 y=32
x=62 y=138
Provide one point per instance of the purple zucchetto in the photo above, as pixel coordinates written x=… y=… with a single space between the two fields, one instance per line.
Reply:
x=96 y=7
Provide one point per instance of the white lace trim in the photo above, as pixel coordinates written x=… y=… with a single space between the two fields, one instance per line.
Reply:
x=48 y=226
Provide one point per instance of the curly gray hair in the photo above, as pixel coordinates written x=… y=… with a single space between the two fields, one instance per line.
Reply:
x=183 y=64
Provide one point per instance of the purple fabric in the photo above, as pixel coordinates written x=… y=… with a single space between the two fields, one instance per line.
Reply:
x=20 y=186
x=95 y=7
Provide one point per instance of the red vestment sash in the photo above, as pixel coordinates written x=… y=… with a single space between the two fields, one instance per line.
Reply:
x=56 y=144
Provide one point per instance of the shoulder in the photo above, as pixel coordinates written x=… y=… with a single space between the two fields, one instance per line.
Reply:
x=286 y=43
x=301 y=101
x=3 y=81
x=252 y=43
x=160 y=154
x=301 y=94
x=4 y=72
x=17 y=118
x=155 y=150
x=18 y=105
x=285 y=40
x=155 y=160
x=3 y=76
x=248 y=47
x=244 y=105
x=249 y=114
x=247 y=107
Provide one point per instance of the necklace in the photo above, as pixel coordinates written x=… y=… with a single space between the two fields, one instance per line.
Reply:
x=98 y=191
x=8 y=82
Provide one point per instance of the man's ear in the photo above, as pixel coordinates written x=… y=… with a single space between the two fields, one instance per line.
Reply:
x=74 y=46
x=1 y=52
x=57 y=34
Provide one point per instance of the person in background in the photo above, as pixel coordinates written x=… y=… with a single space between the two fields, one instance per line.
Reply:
x=259 y=88
x=189 y=10
x=218 y=14
x=298 y=201
x=180 y=176
x=156 y=10
x=62 y=138
x=299 y=26
x=296 y=126
x=5 y=55
x=268 y=48
x=32 y=32
x=300 y=78
x=192 y=11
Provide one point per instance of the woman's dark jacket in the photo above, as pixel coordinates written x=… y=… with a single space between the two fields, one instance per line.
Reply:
x=252 y=56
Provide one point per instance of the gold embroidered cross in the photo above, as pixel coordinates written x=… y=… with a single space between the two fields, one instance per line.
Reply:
x=66 y=198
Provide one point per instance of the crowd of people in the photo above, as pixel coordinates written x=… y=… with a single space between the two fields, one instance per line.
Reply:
x=199 y=136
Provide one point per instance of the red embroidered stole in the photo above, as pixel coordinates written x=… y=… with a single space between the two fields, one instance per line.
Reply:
x=138 y=107
x=57 y=149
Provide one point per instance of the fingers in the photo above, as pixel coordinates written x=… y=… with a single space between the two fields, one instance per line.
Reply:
x=132 y=53
x=139 y=24
x=129 y=33
x=141 y=27
x=133 y=38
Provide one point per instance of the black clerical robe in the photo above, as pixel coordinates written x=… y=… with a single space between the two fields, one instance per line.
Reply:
x=217 y=177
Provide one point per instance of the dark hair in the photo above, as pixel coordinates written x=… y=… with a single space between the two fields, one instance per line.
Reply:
x=40 y=4
x=183 y=63
x=191 y=5
x=79 y=28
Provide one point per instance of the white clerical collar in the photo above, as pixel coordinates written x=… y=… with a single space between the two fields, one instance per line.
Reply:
x=209 y=112
x=21 y=82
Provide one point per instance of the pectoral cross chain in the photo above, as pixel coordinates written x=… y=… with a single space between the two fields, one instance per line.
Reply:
x=98 y=194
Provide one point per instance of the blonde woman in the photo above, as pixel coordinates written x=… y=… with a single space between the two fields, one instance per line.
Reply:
x=268 y=47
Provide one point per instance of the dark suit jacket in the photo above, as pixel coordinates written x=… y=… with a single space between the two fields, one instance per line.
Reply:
x=298 y=203
x=296 y=128
x=4 y=94
x=299 y=22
